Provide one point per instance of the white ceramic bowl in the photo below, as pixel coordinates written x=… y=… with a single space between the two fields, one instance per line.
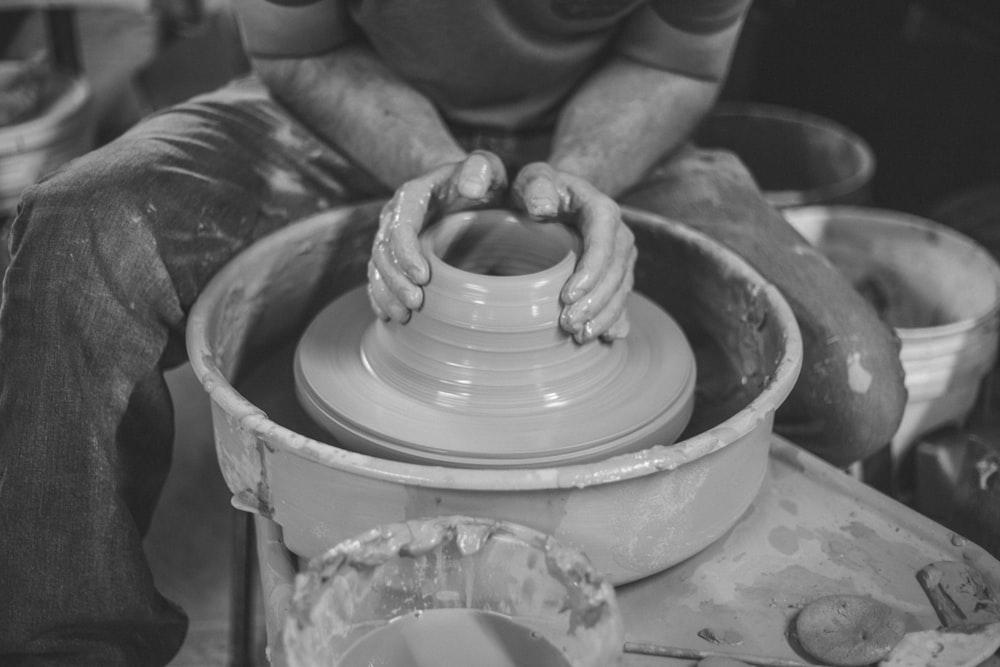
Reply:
x=436 y=592
x=938 y=289
x=632 y=514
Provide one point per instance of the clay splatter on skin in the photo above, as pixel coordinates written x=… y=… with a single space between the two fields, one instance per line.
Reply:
x=809 y=251
x=281 y=180
x=858 y=377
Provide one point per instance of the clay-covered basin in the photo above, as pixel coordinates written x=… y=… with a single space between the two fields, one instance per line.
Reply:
x=453 y=591
x=632 y=514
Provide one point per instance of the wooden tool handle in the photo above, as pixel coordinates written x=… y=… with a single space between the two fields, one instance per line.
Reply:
x=958 y=593
x=646 y=648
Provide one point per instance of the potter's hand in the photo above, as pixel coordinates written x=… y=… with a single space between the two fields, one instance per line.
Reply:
x=398 y=269
x=594 y=297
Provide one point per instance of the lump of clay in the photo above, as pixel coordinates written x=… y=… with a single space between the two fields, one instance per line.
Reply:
x=950 y=647
x=848 y=630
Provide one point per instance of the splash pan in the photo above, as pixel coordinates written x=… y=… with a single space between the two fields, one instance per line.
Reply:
x=453 y=591
x=632 y=513
x=482 y=375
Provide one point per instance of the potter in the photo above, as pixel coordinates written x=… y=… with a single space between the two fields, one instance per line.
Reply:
x=559 y=110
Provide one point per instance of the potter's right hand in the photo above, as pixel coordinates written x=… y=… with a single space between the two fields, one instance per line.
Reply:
x=398 y=270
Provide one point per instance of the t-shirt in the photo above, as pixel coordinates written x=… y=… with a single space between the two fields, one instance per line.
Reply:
x=499 y=63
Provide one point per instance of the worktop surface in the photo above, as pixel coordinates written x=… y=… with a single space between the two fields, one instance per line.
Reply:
x=813 y=530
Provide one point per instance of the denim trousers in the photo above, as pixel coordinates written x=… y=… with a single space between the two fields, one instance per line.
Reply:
x=109 y=253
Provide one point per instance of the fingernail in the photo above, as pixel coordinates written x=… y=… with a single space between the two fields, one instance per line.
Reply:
x=571 y=294
x=618 y=331
x=586 y=334
x=418 y=273
x=399 y=313
x=414 y=298
x=541 y=206
x=567 y=322
x=473 y=188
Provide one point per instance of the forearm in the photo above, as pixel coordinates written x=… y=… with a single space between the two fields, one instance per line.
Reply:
x=353 y=101
x=624 y=119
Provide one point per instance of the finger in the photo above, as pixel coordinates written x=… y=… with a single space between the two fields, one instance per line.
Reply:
x=376 y=306
x=618 y=330
x=384 y=302
x=474 y=176
x=385 y=262
x=604 y=320
x=609 y=314
x=400 y=224
x=536 y=192
x=599 y=220
x=480 y=179
x=617 y=279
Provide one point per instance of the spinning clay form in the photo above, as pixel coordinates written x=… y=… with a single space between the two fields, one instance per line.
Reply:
x=633 y=513
x=482 y=375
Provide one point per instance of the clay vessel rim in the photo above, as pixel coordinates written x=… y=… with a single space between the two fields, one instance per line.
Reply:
x=561 y=572
x=560 y=267
x=392 y=541
x=439 y=266
x=614 y=469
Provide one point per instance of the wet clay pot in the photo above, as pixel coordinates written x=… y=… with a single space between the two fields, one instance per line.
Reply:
x=482 y=375
x=632 y=514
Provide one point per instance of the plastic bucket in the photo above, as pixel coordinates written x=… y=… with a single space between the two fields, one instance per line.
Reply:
x=32 y=148
x=939 y=289
x=797 y=158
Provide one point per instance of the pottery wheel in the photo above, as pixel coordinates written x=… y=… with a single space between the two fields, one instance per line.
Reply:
x=421 y=392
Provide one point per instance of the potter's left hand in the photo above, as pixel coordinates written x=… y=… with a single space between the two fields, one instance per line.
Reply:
x=595 y=295
x=398 y=270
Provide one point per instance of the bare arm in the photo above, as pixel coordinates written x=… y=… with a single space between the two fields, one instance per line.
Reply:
x=623 y=119
x=630 y=114
x=350 y=98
